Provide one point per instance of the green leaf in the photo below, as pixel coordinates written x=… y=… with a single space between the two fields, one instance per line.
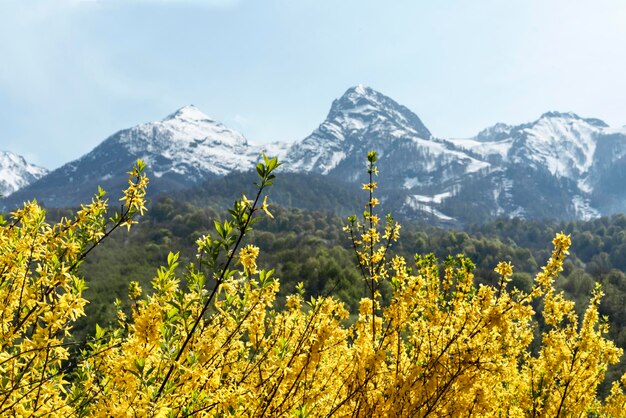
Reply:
x=140 y=364
x=172 y=258
x=172 y=313
x=140 y=165
x=99 y=332
x=228 y=228
x=218 y=228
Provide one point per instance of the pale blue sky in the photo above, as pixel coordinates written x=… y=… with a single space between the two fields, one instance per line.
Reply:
x=72 y=72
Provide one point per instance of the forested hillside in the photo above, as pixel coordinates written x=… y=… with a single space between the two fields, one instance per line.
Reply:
x=598 y=249
x=296 y=241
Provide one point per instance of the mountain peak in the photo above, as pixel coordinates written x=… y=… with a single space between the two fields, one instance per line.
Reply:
x=497 y=132
x=16 y=172
x=11 y=157
x=188 y=113
x=556 y=114
x=361 y=90
x=573 y=116
x=361 y=119
x=361 y=106
x=360 y=94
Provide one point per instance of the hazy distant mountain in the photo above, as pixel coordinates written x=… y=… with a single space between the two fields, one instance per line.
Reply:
x=16 y=172
x=559 y=166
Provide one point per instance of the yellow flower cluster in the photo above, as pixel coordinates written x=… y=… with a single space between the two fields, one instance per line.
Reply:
x=41 y=298
x=247 y=258
x=504 y=269
x=134 y=290
x=135 y=195
x=370 y=186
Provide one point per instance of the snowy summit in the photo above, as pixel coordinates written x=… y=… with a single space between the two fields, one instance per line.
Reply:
x=16 y=172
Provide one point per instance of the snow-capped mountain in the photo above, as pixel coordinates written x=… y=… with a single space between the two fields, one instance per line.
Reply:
x=182 y=150
x=191 y=143
x=186 y=143
x=560 y=165
x=562 y=143
x=361 y=116
x=363 y=120
x=16 y=172
x=557 y=163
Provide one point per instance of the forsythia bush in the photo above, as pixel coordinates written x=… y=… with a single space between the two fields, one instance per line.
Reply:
x=41 y=296
x=209 y=339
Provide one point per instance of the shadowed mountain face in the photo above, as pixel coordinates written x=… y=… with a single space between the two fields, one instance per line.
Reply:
x=559 y=166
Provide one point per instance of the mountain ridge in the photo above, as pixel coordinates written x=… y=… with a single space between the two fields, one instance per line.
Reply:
x=560 y=163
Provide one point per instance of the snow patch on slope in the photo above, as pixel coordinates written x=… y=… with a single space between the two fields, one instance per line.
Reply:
x=440 y=151
x=583 y=208
x=484 y=148
x=437 y=198
x=425 y=204
x=561 y=142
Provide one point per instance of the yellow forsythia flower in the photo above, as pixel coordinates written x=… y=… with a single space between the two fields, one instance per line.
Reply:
x=504 y=269
x=134 y=290
x=265 y=208
x=247 y=258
